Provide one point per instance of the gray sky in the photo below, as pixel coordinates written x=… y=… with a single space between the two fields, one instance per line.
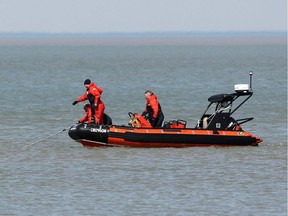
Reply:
x=142 y=15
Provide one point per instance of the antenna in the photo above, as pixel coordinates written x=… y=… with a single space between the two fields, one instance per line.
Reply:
x=250 y=74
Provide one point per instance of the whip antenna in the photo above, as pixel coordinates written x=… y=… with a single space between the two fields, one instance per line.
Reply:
x=250 y=74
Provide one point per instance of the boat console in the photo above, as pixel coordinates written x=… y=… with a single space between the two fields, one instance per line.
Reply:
x=220 y=117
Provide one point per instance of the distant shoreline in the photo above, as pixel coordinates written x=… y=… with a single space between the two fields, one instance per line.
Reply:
x=144 y=38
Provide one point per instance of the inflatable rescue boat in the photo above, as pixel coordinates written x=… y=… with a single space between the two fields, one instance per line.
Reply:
x=216 y=127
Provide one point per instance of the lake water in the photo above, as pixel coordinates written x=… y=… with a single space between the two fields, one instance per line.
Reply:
x=57 y=176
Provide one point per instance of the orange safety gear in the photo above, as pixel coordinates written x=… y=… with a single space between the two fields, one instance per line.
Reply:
x=93 y=94
x=87 y=117
x=152 y=103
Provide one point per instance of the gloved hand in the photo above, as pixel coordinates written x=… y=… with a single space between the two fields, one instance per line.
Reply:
x=75 y=102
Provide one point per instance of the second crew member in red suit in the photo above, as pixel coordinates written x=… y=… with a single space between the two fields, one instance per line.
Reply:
x=153 y=109
x=88 y=114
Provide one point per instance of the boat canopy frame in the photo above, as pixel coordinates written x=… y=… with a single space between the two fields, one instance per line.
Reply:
x=223 y=103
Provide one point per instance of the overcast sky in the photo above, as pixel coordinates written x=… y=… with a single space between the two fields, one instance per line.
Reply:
x=142 y=15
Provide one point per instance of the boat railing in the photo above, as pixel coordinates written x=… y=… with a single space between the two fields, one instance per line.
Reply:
x=244 y=120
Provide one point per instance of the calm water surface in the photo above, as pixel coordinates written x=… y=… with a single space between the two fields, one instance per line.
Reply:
x=57 y=176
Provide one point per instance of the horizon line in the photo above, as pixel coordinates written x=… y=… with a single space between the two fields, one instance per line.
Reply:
x=145 y=32
x=143 y=38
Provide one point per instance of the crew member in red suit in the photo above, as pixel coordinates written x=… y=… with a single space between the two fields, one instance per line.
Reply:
x=87 y=117
x=153 y=109
x=93 y=95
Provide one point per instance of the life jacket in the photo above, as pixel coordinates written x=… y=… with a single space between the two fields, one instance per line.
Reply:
x=153 y=106
x=138 y=121
x=175 y=124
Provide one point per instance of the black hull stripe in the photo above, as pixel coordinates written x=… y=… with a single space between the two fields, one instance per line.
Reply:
x=184 y=138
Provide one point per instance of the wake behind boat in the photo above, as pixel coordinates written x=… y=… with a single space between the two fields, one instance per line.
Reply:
x=216 y=127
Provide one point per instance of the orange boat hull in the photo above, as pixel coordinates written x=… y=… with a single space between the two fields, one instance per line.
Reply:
x=99 y=136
